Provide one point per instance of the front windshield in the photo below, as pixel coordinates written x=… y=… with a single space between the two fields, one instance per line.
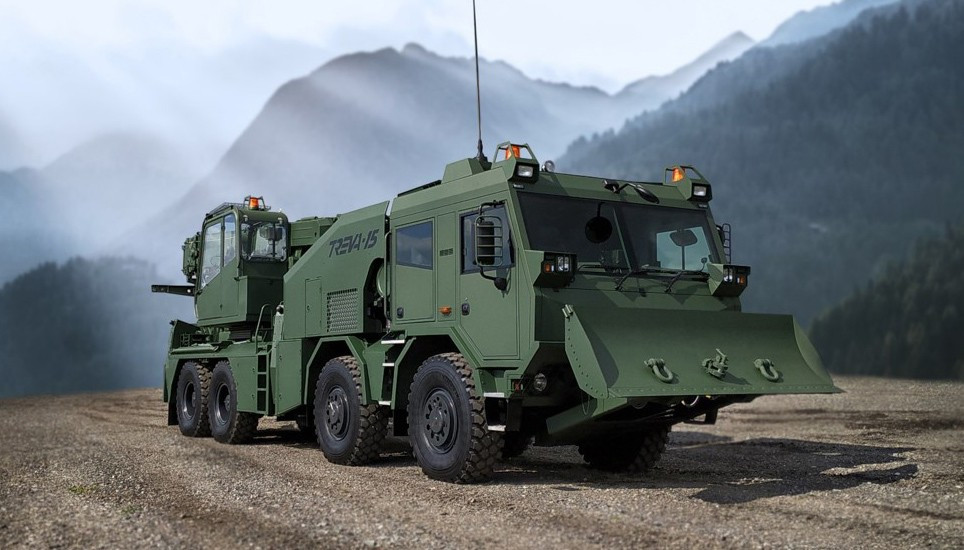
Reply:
x=264 y=241
x=619 y=236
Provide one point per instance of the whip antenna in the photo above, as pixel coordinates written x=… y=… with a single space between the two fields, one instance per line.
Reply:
x=478 y=91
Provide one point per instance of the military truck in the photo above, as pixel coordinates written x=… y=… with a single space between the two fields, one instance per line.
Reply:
x=501 y=306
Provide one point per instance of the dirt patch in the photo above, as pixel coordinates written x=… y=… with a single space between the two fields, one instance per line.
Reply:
x=850 y=470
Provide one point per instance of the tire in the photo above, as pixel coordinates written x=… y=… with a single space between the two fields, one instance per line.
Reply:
x=446 y=422
x=514 y=444
x=228 y=425
x=348 y=432
x=627 y=453
x=191 y=400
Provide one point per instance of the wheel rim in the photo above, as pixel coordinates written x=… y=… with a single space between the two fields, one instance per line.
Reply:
x=222 y=410
x=188 y=401
x=336 y=413
x=440 y=424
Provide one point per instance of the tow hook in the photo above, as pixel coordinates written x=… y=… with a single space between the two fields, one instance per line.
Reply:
x=717 y=365
x=767 y=370
x=660 y=370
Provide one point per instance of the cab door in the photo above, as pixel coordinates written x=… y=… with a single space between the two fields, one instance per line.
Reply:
x=489 y=315
x=209 y=278
x=414 y=280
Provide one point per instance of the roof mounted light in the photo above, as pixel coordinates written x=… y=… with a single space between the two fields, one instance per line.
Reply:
x=254 y=203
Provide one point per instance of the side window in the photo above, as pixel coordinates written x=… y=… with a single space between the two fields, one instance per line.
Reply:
x=211 y=253
x=230 y=239
x=413 y=245
x=469 y=264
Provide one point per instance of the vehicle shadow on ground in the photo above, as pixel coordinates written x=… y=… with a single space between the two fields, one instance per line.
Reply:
x=289 y=437
x=721 y=470
x=729 y=472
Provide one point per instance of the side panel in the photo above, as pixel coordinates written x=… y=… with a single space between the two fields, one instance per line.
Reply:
x=342 y=259
x=287 y=375
x=313 y=307
x=447 y=265
x=245 y=369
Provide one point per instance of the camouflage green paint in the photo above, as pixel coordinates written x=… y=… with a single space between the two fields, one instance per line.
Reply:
x=348 y=289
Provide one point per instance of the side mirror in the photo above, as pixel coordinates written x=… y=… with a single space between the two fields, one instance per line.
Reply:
x=489 y=251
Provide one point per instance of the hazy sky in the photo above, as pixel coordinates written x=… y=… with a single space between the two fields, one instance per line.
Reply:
x=604 y=42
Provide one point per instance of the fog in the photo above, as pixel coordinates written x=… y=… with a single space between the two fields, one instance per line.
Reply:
x=121 y=125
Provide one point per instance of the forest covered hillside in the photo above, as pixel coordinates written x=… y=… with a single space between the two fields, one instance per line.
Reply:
x=85 y=325
x=906 y=324
x=830 y=158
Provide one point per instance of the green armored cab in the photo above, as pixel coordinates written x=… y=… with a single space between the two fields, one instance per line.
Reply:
x=501 y=306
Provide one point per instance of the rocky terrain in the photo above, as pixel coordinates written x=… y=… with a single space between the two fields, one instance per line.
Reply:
x=880 y=466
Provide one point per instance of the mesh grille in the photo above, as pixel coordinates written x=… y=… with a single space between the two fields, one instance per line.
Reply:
x=342 y=310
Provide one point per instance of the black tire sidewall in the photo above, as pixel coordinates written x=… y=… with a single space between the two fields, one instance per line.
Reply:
x=434 y=374
x=189 y=426
x=222 y=376
x=336 y=374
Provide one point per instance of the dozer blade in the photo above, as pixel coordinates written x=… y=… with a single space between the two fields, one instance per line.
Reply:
x=653 y=353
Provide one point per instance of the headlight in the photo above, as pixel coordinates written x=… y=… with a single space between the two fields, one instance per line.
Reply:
x=562 y=264
x=700 y=191
x=525 y=171
x=540 y=382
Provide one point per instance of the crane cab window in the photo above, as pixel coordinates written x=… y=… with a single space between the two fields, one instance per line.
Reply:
x=264 y=241
x=413 y=245
x=230 y=239
x=211 y=253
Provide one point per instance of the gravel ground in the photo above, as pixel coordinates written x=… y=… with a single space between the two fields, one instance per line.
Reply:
x=880 y=466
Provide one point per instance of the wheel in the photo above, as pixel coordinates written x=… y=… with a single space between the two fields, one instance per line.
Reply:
x=446 y=422
x=514 y=444
x=627 y=453
x=228 y=425
x=192 y=400
x=348 y=432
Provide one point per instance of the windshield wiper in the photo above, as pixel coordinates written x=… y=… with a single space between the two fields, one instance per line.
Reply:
x=703 y=275
x=677 y=275
x=608 y=268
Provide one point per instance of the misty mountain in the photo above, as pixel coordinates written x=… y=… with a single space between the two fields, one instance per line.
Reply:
x=12 y=150
x=819 y=21
x=196 y=101
x=829 y=170
x=33 y=232
x=905 y=324
x=84 y=325
x=366 y=126
x=650 y=92
x=85 y=200
x=113 y=182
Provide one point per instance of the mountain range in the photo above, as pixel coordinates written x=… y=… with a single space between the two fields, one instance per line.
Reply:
x=366 y=126
x=830 y=158
x=832 y=147
x=819 y=21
